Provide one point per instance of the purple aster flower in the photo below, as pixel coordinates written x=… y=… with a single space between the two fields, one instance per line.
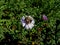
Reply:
x=45 y=17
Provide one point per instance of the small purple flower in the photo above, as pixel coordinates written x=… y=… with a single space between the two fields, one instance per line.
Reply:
x=45 y=18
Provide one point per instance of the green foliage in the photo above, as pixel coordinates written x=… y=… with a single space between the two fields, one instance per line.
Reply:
x=11 y=11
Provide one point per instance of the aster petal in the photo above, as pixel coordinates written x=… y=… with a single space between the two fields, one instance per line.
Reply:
x=33 y=21
x=23 y=21
x=23 y=18
x=27 y=26
x=31 y=26
x=23 y=24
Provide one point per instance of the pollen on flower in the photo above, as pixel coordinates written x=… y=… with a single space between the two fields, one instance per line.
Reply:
x=28 y=20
